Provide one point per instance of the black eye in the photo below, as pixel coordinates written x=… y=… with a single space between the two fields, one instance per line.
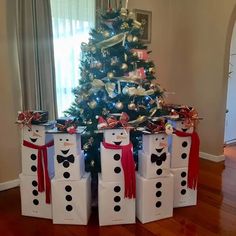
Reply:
x=29 y=130
x=121 y=133
x=156 y=139
x=37 y=130
x=67 y=139
x=182 y=122
x=113 y=133
x=60 y=139
x=162 y=138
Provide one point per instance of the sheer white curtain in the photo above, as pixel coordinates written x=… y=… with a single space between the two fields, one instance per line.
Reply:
x=72 y=21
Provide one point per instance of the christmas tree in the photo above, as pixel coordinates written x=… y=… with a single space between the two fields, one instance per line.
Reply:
x=116 y=76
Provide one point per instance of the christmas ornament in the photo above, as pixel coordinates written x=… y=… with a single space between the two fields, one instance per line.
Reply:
x=135 y=54
x=125 y=90
x=110 y=88
x=106 y=34
x=92 y=104
x=132 y=106
x=119 y=105
x=123 y=12
x=137 y=24
x=124 y=25
x=110 y=75
x=124 y=66
x=131 y=15
x=129 y=38
x=93 y=49
x=135 y=39
x=99 y=65
x=151 y=70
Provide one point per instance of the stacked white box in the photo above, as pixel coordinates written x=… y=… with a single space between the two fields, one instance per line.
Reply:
x=154 y=167
x=154 y=198
x=113 y=207
x=33 y=202
x=183 y=196
x=71 y=187
x=71 y=201
x=180 y=149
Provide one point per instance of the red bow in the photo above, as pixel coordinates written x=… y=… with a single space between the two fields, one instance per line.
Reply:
x=26 y=118
x=156 y=127
x=189 y=115
x=42 y=162
x=112 y=121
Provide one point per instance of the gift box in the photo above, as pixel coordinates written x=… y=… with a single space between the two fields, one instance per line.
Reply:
x=33 y=201
x=33 y=139
x=111 y=168
x=183 y=196
x=152 y=166
x=154 y=198
x=71 y=201
x=156 y=143
x=113 y=208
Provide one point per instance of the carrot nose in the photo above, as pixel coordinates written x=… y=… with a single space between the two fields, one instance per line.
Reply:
x=120 y=137
x=36 y=135
x=163 y=144
x=68 y=144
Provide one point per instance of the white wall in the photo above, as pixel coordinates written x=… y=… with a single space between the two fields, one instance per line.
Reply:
x=9 y=96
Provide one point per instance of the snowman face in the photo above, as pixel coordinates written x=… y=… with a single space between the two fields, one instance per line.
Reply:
x=64 y=143
x=160 y=142
x=35 y=134
x=181 y=126
x=116 y=136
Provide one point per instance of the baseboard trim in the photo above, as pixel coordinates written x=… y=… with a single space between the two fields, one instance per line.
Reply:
x=211 y=157
x=9 y=184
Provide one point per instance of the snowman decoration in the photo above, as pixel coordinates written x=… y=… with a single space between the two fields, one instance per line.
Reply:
x=117 y=186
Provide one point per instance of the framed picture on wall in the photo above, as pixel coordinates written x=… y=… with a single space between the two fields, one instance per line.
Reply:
x=144 y=17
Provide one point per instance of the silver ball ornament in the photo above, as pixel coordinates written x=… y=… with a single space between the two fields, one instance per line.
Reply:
x=110 y=75
x=124 y=66
x=92 y=104
x=135 y=39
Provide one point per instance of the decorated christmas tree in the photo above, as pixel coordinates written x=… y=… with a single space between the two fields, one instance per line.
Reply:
x=116 y=76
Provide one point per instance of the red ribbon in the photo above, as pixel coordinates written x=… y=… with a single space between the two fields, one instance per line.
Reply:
x=26 y=118
x=42 y=172
x=128 y=166
x=193 y=165
x=123 y=121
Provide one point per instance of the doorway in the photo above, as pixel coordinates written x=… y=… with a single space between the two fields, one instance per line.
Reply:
x=230 y=117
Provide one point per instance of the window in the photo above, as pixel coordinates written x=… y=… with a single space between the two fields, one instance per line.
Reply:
x=71 y=22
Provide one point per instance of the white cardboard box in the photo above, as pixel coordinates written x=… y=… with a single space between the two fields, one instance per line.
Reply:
x=71 y=200
x=179 y=147
x=154 y=198
x=149 y=169
x=69 y=167
x=111 y=168
x=36 y=135
x=155 y=143
x=113 y=208
x=66 y=143
x=32 y=201
x=183 y=196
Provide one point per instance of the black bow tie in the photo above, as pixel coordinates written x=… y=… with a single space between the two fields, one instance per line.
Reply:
x=61 y=159
x=156 y=158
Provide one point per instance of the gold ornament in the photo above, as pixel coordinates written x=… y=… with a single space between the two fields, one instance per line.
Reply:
x=132 y=106
x=110 y=75
x=135 y=54
x=151 y=70
x=135 y=39
x=125 y=25
x=124 y=66
x=93 y=49
x=99 y=65
x=92 y=104
x=119 y=105
x=106 y=34
x=129 y=38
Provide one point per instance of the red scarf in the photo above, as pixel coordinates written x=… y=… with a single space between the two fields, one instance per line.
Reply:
x=193 y=165
x=128 y=165
x=42 y=152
